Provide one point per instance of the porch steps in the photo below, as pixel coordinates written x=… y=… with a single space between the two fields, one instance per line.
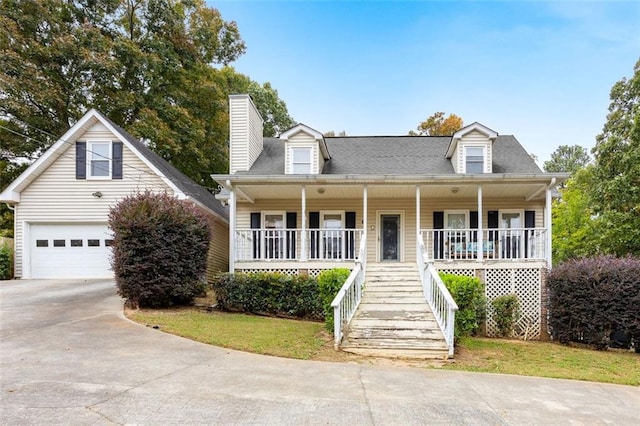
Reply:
x=393 y=319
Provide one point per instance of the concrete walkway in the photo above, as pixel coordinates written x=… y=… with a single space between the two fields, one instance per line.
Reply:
x=68 y=356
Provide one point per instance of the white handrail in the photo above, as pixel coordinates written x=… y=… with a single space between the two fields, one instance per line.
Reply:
x=350 y=294
x=436 y=294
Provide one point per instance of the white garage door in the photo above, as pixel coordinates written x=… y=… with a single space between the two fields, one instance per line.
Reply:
x=70 y=251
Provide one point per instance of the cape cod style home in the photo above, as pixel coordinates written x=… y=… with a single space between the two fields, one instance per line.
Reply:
x=395 y=210
x=61 y=202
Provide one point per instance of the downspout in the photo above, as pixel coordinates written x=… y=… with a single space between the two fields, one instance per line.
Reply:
x=547 y=221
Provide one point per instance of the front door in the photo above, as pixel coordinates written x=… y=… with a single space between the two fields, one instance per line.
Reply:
x=390 y=237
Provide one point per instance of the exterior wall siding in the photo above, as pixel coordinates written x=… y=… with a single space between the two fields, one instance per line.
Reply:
x=475 y=138
x=218 y=255
x=302 y=140
x=245 y=133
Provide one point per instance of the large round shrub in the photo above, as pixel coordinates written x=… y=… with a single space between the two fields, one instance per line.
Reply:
x=596 y=300
x=468 y=293
x=160 y=249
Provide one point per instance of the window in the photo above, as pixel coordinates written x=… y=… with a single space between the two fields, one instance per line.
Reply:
x=76 y=243
x=332 y=224
x=42 y=243
x=108 y=243
x=457 y=236
x=99 y=159
x=301 y=161
x=474 y=159
x=93 y=243
x=274 y=235
x=58 y=243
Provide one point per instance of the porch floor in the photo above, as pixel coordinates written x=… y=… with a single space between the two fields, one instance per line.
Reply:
x=393 y=319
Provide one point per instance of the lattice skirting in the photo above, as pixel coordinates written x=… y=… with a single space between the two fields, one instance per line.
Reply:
x=288 y=271
x=526 y=283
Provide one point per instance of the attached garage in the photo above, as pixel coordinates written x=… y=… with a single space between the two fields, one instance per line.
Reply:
x=63 y=250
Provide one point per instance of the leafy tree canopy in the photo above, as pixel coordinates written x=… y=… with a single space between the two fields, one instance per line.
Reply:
x=567 y=159
x=615 y=188
x=438 y=125
x=146 y=64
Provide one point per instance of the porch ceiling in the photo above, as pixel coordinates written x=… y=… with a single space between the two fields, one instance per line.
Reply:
x=520 y=191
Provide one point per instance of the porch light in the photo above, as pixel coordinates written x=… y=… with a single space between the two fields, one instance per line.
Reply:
x=321 y=190
x=97 y=194
x=455 y=190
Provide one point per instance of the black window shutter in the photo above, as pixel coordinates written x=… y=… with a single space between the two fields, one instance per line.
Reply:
x=350 y=223
x=116 y=164
x=81 y=160
x=529 y=222
x=438 y=236
x=314 y=223
x=292 y=220
x=493 y=223
x=473 y=224
x=255 y=224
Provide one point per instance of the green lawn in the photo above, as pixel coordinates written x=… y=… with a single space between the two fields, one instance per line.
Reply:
x=308 y=340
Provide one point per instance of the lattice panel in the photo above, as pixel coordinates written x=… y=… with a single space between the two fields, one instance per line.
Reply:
x=281 y=271
x=526 y=284
x=462 y=272
x=315 y=272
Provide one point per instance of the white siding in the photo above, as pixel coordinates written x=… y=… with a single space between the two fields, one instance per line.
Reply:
x=476 y=139
x=303 y=140
x=57 y=197
x=245 y=133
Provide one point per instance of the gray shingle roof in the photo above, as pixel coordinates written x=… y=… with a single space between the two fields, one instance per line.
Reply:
x=395 y=155
x=179 y=179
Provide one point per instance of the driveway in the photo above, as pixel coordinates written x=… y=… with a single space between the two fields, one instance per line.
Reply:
x=68 y=356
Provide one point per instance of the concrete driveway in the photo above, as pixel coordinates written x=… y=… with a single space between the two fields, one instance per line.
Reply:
x=68 y=356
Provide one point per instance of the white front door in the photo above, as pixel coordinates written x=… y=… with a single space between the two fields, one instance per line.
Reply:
x=511 y=233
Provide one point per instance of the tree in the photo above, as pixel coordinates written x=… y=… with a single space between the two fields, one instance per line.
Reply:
x=574 y=225
x=438 y=125
x=615 y=187
x=146 y=64
x=567 y=159
x=272 y=109
x=332 y=134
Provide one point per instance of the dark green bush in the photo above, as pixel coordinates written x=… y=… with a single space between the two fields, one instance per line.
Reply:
x=468 y=293
x=330 y=282
x=506 y=311
x=5 y=262
x=269 y=293
x=592 y=300
x=159 y=250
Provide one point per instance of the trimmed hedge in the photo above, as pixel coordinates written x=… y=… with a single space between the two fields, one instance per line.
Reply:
x=269 y=293
x=468 y=293
x=596 y=301
x=5 y=262
x=330 y=282
x=159 y=249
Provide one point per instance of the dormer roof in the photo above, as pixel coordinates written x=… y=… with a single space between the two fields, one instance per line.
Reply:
x=298 y=128
x=473 y=127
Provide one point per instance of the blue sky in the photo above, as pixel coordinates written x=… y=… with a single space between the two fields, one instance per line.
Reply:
x=541 y=71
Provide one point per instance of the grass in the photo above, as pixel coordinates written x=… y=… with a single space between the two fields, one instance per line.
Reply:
x=308 y=340
x=546 y=359
x=257 y=334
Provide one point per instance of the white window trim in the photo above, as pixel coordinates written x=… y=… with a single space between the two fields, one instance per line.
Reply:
x=89 y=154
x=336 y=212
x=484 y=157
x=275 y=212
x=467 y=224
x=519 y=211
x=292 y=149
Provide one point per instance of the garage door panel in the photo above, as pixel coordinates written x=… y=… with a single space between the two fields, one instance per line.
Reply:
x=70 y=251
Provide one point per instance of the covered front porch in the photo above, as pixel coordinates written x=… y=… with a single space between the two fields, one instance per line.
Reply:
x=308 y=223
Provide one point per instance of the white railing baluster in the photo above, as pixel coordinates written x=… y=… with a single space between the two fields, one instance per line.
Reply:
x=442 y=304
x=350 y=294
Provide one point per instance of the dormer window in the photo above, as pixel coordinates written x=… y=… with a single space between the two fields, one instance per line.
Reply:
x=474 y=159
x=99 y=159
x=301 y=161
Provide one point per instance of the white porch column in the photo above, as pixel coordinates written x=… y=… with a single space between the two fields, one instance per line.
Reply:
x=547 y=222
x=232 y=230
x=480 y=243
x=365 y=213
x=417 y=212
x=303 y=238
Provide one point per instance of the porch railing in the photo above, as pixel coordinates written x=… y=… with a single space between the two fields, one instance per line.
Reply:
x=350 y=294
x=296 y=244
x=470 y=244
x=440 y=300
